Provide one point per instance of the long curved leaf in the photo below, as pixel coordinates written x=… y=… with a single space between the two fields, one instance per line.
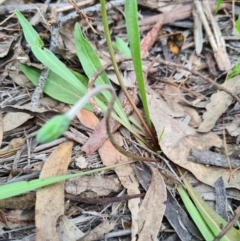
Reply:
x=91 y=63
x=213 y=220
x=55 y=86
x=13 y=189
x=131 y=17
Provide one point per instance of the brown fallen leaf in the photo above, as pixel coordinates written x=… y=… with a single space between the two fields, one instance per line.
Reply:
x=45 y=105
x=233 y=128
x=101 y=185
x=14 y=119
x=87 y=118
x=176 y=94
x=219 y=103
x=178 y=139
x=152 y=208
x=50 y=199
x=14 y=145
x=111 y=156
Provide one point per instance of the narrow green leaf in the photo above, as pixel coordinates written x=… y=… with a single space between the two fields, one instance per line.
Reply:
x=55 y=86
x=131 y=15
x=47 y=58
x=13 y=189
x=91 y=63
x=196 y=216
x=30 y=34
x=213 y=220
x=122 y=47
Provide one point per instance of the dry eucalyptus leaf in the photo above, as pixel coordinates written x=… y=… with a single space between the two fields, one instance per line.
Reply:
x=45 y=105
x=152 y=208
x=176 y=94
x=21 y=80
x=178 y=139
x=126 y=175
x=14 y=119
x=219 y=103
x=50 y=199
x=233 y=128
x=98 y=184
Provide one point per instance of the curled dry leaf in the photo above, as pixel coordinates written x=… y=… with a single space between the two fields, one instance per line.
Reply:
x=179 y=139
x=219 y=103
x=50 y=199
x=152 y=209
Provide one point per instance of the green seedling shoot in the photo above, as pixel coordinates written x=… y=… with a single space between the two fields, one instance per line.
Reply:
x=56 y=126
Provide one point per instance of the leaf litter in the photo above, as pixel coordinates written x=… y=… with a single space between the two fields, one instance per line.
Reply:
x=175 y=110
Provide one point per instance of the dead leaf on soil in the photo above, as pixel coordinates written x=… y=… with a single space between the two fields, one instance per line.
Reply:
x=152 y=208
x=101 y=185
x=14 y=119
x=50 y=200
x=88 y=119
x=111 y=156
x=21 y=80
x=233 y=128
x=219 y=103
x=67 y=230
x=45 y=105
x=14 y=145
x=179 y=139
x=176 y=94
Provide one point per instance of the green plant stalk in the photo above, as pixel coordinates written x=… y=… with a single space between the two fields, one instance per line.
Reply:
x=116 y=69
x=131 y=15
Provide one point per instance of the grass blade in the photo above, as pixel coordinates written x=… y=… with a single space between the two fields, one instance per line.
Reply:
x=213 y=220
x=55 y=86
x=13 y=189
x=196 y=216
x=131 y=16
